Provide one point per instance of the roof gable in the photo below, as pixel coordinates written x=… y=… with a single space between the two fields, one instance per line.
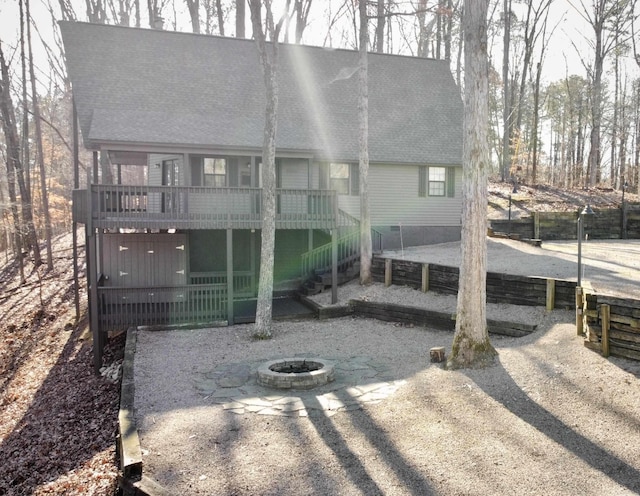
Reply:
x=159 y=87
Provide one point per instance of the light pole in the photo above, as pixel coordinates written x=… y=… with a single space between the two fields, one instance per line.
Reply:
x=587 y=211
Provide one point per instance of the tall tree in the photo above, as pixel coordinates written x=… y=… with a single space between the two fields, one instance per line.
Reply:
x=505 y=165
x=12 y=142
x=363 y=165
x=601 y=16
x=194 y=14
x=535 y=13
x=240 y=19
x=38 y=138
x=23 y=173
x=380 y=22
x=268 y=53
x=471 y=346
x=301 y=10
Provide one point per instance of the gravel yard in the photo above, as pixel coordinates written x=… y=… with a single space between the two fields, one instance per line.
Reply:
x=552 y=417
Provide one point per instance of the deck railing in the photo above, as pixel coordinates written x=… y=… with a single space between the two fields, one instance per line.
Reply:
x=123 y=307
x=244 y=281
x=192 y=207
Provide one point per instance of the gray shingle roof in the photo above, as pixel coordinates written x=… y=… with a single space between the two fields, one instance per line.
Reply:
x=140 y=86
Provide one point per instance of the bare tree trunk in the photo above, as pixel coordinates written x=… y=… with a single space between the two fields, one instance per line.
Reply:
x=506 y=109
x=534 y=131
x=614 y=121
x=439 y=28
x=460 y=46
x=23 y=175
x=471 y=346
x=269 y=64
x=363 y=114
x=43 y=175
x=380 y=21
x=447 y=33
x=221 y=16
x=301 y=8
x=10 y=130
x=194 y=14
x=240 y=32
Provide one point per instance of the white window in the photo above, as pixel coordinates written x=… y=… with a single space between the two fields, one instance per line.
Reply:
x=437 y=181
x=215 y=172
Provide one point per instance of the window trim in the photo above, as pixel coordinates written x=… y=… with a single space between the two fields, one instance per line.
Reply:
x=424 y=183
x=351 y=181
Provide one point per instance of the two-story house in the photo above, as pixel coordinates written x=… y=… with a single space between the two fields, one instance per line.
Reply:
x=173 y=204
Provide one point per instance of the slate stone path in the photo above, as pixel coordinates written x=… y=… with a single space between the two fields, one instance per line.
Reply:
x=359 y=380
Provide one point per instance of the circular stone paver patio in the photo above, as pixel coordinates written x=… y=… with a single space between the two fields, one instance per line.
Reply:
x=358 y=380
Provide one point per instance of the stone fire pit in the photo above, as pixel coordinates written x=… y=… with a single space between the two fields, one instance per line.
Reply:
x=296 y=373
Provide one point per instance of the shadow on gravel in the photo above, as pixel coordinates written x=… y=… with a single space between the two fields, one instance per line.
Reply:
x=511 y=396
x=413 y=481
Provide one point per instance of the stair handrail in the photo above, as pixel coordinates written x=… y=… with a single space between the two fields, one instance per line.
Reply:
x=319 y=258
x=347 y=220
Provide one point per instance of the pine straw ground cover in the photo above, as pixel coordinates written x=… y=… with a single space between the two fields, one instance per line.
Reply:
x=57 y=418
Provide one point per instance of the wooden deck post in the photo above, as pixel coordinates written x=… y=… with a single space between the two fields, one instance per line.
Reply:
x=94 y=322
x=536 y=225
x=92 y=274
x=579 y=307
x=387 y=272
x=74 y=228
x=230 y=316
x=425 y=277
x=605 y=318
x=551 y=294
x=334 y=265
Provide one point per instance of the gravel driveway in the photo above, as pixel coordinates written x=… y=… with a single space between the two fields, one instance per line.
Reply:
x=609 y=266
x=551 y=418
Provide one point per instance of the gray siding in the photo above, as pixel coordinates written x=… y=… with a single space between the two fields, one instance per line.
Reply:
x=393 y=192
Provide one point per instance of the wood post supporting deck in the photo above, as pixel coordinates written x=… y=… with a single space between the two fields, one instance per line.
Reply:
x=334 y=266
x=230 y=316
x=92 y=277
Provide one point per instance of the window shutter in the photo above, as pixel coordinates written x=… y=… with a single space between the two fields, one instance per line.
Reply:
x=278 y=165
x=324 y=176
x=232 y=172
x=354 y=177
x=196 y=171
x=422 y=181
x=451 y=182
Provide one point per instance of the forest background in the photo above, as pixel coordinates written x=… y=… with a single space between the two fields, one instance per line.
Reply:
x=564 y=86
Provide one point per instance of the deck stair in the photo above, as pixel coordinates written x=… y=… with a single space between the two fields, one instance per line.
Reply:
x=316 y=264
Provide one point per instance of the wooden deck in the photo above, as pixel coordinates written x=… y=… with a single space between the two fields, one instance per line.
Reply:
x=190 y=207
